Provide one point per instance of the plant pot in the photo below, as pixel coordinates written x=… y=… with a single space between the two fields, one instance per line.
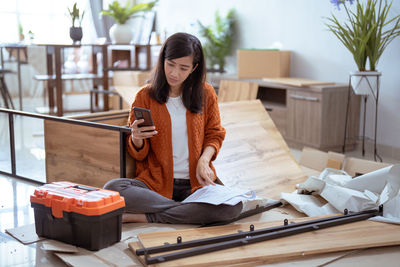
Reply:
x=121 y=33
x=364 y=82
x=76 y=34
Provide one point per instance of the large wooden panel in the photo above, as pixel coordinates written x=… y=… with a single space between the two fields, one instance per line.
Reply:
x=83 y=154
x=250 y=111
x=254 y=154
x=364 y=234
x=127 y=84
x=128 y=94
x=230 y=90
x=251 y=158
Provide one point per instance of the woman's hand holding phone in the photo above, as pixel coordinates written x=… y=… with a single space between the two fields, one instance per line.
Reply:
x=140 y=133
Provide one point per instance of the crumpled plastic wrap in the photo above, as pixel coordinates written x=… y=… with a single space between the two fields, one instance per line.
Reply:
x=341 y=191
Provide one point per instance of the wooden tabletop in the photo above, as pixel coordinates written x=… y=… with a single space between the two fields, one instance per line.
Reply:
x=254 y=154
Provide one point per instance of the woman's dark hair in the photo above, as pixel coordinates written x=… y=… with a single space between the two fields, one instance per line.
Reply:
x=176 y=46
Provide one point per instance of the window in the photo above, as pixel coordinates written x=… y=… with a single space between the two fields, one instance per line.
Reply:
x=48 y=20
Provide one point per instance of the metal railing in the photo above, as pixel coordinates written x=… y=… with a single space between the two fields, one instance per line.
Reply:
x=11 y=113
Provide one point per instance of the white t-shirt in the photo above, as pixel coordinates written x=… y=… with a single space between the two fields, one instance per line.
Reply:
x=180 y=150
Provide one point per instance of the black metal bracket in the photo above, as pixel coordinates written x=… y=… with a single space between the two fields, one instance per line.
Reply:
x=201 y=246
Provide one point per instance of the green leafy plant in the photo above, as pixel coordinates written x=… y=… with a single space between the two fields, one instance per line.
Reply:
x=218 y=39
x=76 y=15
x=20 y=32
x=20 y=29
x=122 y=13
x=367 y=32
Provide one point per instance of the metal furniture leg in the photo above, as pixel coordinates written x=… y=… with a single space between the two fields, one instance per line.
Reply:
x=347 y=114
x=365 y=112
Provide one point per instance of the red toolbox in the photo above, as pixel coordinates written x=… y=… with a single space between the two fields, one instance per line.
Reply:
x=80 y=215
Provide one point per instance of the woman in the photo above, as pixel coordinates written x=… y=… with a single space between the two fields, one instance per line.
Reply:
x=173 y=158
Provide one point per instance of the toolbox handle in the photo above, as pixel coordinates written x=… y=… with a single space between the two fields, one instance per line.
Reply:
x=87 y=188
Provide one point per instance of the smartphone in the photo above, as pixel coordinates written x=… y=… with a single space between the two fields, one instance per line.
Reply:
x=145 y=114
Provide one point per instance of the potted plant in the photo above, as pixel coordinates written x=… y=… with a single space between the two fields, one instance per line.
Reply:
x=121 y=31
x=218 y=40
x=366 y=34
x=75 y=32
x=21 y=32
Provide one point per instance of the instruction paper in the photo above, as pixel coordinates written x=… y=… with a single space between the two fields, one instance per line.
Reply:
x=218 y=194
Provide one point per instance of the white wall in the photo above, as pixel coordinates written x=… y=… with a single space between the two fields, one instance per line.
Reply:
x=299 y=26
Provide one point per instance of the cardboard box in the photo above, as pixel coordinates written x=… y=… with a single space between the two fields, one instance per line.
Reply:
x=313 y=162
x=258 y=64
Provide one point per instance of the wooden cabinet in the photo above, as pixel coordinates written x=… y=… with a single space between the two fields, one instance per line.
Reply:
x=304 y=117
x=309 y=116
x=316 y=117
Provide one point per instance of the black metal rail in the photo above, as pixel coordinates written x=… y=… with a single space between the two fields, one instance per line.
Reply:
x=11 y=113
x=201 y=246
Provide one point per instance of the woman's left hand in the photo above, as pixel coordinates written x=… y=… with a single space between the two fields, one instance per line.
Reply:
x=204 y=173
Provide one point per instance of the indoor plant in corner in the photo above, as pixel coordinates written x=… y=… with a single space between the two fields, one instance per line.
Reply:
x=121 y=31
x=366 y=34
x=76 y=32
x=218 y=40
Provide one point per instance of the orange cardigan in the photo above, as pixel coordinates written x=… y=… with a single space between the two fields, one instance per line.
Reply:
x=154 y=161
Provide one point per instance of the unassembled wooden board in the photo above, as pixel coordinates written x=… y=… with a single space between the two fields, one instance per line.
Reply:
x=364 y=234
x=254 y=154
x=127 y=93
x=233 y=113
x=230 y=90
x=301 y=82
x=85 y=155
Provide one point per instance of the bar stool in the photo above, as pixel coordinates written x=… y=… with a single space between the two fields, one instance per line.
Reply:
x=4 y=90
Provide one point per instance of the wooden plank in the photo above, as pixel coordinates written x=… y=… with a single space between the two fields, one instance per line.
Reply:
x=294 y=81
x=250 y=111
x=230 y=90
x=251 y=158
x=131 y=78
x=254 y=154
x=128 y=93
x=364 y=234
x=82 y=154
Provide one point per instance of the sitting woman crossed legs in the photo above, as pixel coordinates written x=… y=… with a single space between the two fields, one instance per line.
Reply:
x=174 y=157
